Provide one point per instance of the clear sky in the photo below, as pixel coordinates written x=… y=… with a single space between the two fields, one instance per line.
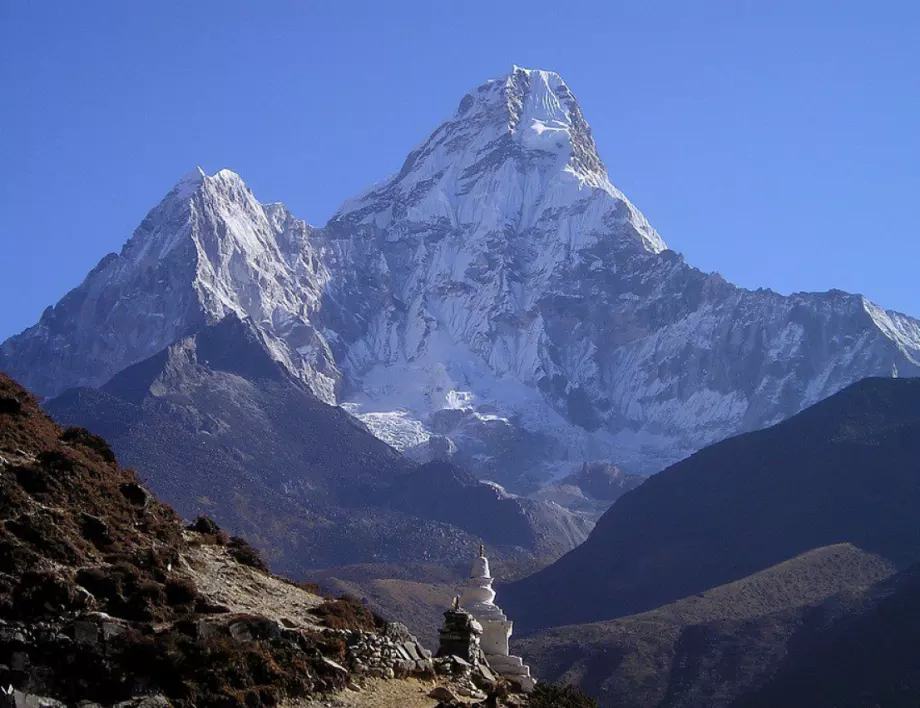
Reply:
x=776 y=142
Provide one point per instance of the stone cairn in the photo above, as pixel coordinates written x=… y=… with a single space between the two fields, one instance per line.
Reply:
x=460 y=636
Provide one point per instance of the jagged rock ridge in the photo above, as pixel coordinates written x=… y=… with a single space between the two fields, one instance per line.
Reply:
x=497 y=300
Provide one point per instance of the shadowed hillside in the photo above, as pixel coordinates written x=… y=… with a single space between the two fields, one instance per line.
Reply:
x=104 y=596
x=846 y=470
x=652 y=658
x=107 y=600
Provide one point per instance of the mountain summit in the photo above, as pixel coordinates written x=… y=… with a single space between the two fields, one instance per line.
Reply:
x=207 y=250
x=516 y=148
x=497 y=301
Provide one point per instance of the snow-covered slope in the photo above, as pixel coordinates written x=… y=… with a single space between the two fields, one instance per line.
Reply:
x=207 y=250
x=513 y=282
x=497 y=300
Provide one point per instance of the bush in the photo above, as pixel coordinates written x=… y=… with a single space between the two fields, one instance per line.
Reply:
x=10 y=405
x=44 y=592
x=180 y=591
x=209 y=533
x=57 y=460
x=549 y=695
x=247 y=555
x=348 y=613
x=309 y=587
x=135 y=494
x=81 y=436
x=204 y=524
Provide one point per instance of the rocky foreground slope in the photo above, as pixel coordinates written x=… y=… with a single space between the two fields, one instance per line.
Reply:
x=105 y=597
x=497 y=300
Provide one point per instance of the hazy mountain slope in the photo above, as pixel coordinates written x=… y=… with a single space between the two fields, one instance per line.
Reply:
x=859 y=650
x=497 y=301
x=216 y=426
x=643 y=660
x=844 y=470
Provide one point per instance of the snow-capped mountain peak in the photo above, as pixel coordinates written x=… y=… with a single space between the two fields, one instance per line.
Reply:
x=189 y=183
x=207 y=250
x=517 y=157
x=496 y=299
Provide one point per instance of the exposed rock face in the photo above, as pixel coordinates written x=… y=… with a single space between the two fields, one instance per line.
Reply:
x=207 y=250
x=496 y=301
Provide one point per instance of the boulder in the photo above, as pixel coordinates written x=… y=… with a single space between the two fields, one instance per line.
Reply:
x=443 y=694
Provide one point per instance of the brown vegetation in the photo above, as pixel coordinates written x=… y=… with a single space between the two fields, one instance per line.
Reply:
x=246 y=554
x=349 y=613
x=80 y=536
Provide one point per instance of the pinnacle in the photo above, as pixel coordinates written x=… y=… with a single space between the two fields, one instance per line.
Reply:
x=189 y=183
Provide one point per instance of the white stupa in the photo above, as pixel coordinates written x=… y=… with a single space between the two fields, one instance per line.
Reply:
x=479 y=600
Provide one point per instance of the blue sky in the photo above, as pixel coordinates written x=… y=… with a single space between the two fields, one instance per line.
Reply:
x=776 y=142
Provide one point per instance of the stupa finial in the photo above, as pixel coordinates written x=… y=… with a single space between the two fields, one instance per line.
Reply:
x=482 y=551
x=456 y=602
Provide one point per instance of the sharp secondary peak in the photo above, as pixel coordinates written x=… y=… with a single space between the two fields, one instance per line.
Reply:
x=190 y=182
x=195 y=175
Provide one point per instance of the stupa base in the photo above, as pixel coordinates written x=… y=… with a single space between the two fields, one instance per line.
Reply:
x=513 y=669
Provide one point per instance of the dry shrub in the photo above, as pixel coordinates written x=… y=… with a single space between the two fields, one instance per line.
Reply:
x=247 y=555
x=181 y=591
x=221 y=671
x=81 y=436
x=549 y=695
x=309 y=587
x=210 y=533
x=10 y=405
x=348 y=613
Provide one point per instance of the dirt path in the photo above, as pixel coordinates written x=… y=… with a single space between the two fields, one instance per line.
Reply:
x=377 y=693
x=222 y=580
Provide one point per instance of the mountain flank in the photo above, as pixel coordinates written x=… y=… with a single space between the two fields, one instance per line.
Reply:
x=846 y=470
x=218 y=427
x=497 y=302
x=653 y=658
